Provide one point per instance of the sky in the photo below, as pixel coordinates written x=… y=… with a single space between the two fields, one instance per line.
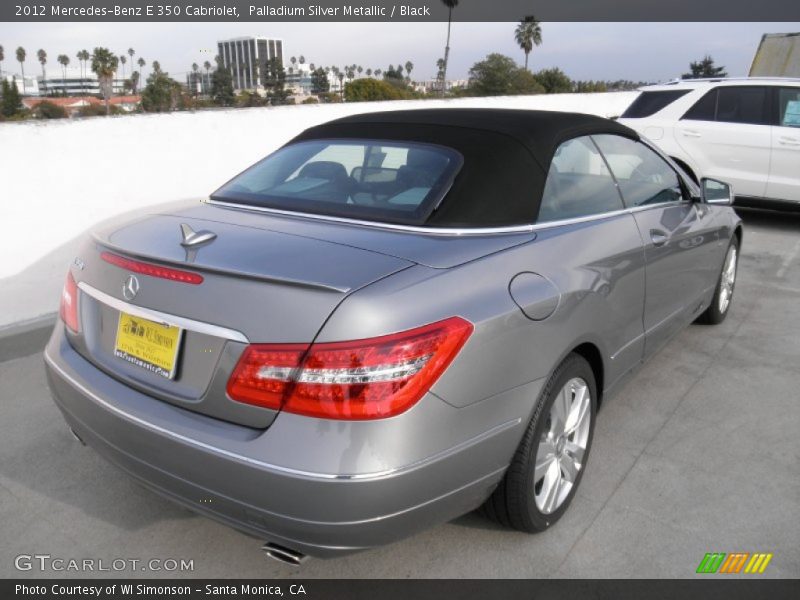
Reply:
x=648 y=52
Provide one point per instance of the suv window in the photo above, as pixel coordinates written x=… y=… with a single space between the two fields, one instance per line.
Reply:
x=789 y=106
x=644 y=177
x=578 y=184
x=732 y=104
x=649 y=103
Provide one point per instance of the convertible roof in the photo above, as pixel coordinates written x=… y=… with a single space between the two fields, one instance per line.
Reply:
x=507 y=154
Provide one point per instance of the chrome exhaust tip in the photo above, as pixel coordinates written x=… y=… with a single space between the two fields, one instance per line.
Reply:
x=284 y=555
x=76 y=436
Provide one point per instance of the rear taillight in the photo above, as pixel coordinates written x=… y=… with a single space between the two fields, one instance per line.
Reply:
x=364 y=379
x=69 y=303
x=144 y=268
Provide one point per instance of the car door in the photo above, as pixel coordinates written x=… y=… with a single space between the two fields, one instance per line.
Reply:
x=593 y=253
x=679 y=235
x=728 y=135
x=784 y=173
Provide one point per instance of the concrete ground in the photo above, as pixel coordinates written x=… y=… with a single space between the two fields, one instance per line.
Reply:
x=699 y=453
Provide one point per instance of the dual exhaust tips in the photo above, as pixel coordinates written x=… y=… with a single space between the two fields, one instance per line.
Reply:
x=284 y=555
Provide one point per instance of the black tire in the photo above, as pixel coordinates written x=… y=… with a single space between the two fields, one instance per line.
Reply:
x=513 y=503
x=715 y=314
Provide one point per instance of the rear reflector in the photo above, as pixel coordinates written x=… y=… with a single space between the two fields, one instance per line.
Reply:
x=152 y=270
x=68 y=310
x=364 y=379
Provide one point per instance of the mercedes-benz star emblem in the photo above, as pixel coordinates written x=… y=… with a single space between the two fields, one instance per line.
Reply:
x=131 y=287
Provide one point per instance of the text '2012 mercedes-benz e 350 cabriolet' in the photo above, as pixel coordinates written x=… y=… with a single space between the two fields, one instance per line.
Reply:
x=392 y=320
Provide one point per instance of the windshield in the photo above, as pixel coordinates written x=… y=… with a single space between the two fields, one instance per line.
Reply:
x=397 y=182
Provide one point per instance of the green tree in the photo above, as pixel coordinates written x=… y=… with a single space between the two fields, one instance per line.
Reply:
x=450 y=4
x=122 y=60
x=131 y=53
x=528 y=34
x=161 y=94
x=41 y=56
x=369 y=90
x=409 y=68
x=21 y=55
x=49 y=110
x=554 y=81
x=704 y=69
x=499 y=75
x=104 y=65
x=319 y=82
x=222 y=86
x=273 y=78
x=141 y=62
x=2 y=58
x=11 y=102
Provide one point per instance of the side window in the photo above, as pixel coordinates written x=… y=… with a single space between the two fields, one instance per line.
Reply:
x=578 y=184
x=704 y=109
x=644 y=177
x=789 y=106
x=742 y=105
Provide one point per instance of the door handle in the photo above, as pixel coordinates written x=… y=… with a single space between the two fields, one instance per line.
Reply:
x=787 y=141
x=691 y=133
x=658 y=237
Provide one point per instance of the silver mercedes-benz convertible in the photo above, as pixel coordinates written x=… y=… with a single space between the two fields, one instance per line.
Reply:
x=392 y=320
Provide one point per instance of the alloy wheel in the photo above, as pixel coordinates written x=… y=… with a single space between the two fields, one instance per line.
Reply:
x=562 y=446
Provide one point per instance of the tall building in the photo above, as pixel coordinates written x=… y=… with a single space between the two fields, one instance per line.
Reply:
x=246 y=58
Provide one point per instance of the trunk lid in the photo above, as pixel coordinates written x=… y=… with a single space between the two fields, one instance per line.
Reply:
x=258 y=286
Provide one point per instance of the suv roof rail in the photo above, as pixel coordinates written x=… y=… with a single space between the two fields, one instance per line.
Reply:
x=676 y=81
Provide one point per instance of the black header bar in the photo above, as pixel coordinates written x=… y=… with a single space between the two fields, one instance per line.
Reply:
x=390 y=10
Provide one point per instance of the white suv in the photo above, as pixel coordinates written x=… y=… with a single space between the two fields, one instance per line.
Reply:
x=742 y=131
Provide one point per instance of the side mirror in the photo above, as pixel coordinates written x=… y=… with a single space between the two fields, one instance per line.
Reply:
x=716 y=192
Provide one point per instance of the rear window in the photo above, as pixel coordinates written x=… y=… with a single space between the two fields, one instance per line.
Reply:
x=649 y=103
x=396 y=182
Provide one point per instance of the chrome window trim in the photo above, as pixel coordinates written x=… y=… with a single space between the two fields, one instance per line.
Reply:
x=163 y=318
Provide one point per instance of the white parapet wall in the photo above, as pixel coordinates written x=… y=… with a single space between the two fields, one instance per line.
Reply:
x=59 y=178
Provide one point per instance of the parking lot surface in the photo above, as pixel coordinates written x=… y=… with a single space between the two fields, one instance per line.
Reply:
x=700 y=452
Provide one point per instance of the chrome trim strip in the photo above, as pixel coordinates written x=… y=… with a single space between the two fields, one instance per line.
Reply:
x=446 y=231
x=268 y=466
x=163 y=318
x=374 y=224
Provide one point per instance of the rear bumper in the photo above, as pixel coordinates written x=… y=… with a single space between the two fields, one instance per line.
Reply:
x=269 y=484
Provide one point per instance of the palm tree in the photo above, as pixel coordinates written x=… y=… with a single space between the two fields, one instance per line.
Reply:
x=63 y=60
x=302 y=60
x=104 y=65
x=41 y=56
x=369 y=72
x=450 y=4
x=131 y=53
x=360 y=70
x=195 y=70
x=83 y=56
x=21 y=54
x=141 y=62
x=293 y=60
x=156 y=66
x=207 y=67
x=528 y=34
x=122 y=60
x=409 y=67
x=378 y=72
x=2 y=58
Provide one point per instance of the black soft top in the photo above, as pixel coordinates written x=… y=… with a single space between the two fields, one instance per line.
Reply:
x=507 y=154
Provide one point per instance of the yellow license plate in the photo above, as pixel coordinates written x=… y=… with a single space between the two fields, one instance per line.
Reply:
x=147 y=344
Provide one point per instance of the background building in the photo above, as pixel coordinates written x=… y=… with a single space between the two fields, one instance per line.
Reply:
x=246 y=57
x=778 y=55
